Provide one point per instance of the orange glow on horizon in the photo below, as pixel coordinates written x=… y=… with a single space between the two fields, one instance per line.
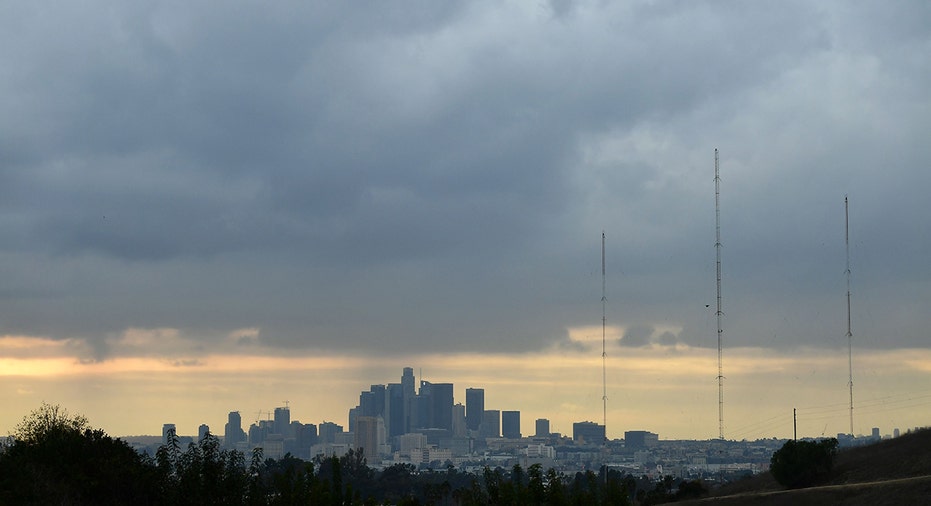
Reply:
x=670 y=390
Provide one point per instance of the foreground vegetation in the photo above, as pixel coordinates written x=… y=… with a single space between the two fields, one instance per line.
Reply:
x=800 y=464
x=893 y=471
x=55 y=458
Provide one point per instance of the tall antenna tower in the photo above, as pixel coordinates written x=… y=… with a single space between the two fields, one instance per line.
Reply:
x=604 y=354
x=849 y=333
x=720 y=311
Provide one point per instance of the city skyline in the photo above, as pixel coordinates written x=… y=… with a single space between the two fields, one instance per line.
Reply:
x=770 y=419
x=212 y=207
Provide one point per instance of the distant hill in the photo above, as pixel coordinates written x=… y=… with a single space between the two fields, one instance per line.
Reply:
x=894 y=471
x=146 y=440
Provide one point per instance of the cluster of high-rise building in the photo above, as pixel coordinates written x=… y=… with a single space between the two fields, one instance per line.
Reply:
x=387 y=413
x=403 y=421
x=424 y=425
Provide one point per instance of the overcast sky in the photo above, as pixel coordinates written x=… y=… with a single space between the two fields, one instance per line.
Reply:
x=404 y=178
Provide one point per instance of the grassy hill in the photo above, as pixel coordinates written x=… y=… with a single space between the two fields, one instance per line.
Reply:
x=895 y=471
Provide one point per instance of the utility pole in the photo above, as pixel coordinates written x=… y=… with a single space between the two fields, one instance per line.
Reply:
x=794 y=426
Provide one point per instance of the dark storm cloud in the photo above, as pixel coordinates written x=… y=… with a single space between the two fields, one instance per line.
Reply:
x=639 y=336
x=435 y=175
x=636 y=336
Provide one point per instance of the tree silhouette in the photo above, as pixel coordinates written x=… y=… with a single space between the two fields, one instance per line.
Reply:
x=56 y=458
x=803 y=463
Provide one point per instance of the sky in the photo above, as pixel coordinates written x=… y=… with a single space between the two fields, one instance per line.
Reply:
x=224 y=206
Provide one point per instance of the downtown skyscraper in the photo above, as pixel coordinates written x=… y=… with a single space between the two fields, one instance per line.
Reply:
x=475 y=408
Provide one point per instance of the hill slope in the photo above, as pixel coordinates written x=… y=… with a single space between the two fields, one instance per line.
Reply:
x=895 y=471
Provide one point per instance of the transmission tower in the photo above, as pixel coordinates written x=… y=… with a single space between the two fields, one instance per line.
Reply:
x=720 y=311
x=849 y=333
x=604 y=353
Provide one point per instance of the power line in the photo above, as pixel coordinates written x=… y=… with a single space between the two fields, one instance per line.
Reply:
x=886 y=404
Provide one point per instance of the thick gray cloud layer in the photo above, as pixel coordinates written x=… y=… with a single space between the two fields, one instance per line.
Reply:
x=435 y=176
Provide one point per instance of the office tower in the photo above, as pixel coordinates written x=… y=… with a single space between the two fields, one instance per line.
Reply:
x=459 y=420
x=409 y=443
x=395 y=419
x=328 y=431
x=543 y=427
x=306 y=434
x=168 y=430
x=259 y=432
x=354 y=414
x=420 y=411
x=202 y=431
x=369 y=436
x=589 y=433
x=407 y=388
x=510 y=424
x=491 y=423
x=379 y=399
x=475 y=408
x=366 y=435
x=442 y=406
x=282 y=421
x=367 y=404
x=372 y=403
x=407 y=381
x=435 y=406
x=273 y=446
x=423 y=406
x=639 y=439
x=232 y=432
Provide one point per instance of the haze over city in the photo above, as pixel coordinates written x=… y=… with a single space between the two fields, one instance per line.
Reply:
x=222 y=207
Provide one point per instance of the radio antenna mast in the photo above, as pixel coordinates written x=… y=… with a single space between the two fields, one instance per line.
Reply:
x=849 y=333
x=604 y=354
x=720 y=311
